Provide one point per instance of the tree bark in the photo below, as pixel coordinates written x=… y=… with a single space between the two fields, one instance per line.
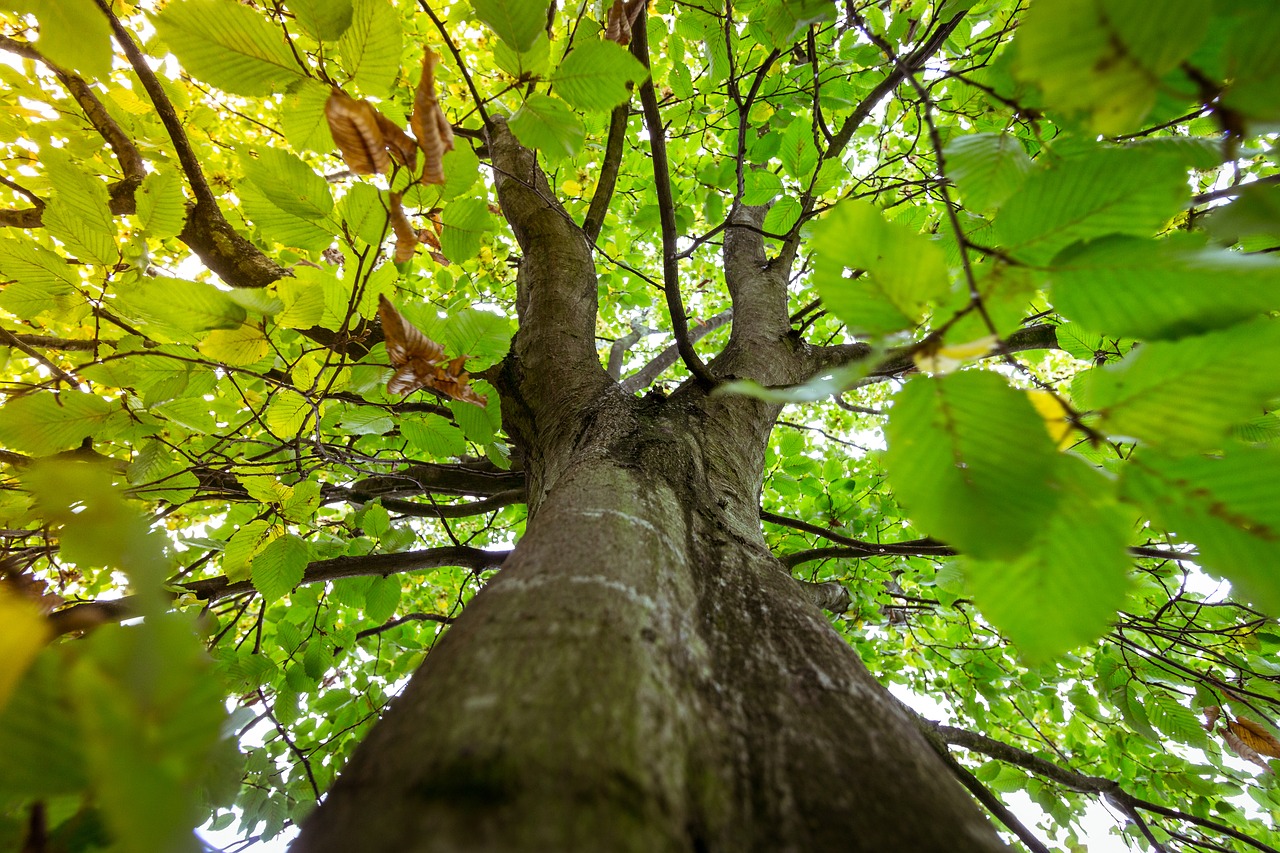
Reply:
x=644 y=675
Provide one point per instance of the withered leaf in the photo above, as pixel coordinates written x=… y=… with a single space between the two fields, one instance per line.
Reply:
x=1259 y=739
x=435 y=135
x=1242 y=749
x=419 y=362
x=400 y=145
x=622 y=17
x=355 y=127
x=406 y=244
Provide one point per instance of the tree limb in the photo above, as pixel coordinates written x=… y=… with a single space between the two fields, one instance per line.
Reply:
x=609 y=166
x=1079 y=782
x=556 y=288
x=126 y=153
x=236 y=261
x=643 y=377
x=90 y=614
x=667 y=215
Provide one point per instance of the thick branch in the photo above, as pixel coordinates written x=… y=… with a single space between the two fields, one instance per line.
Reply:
x=667 y=215
x=126 y=153
x=430 y=510
x=757 y=288
x=236 y=261
x=89 y=614
x=609 y=166
x=642 y=378
x=556 y=296
x=900 y=360
x=1079 y=782
x=439 y=479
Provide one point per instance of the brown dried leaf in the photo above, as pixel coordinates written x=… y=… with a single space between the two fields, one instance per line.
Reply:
x=1259 y=739
x=419 y=361
x=406 y=239
x=355 y=127
x=453 y=380
x=622 y=17
x=412 y=354
x=399 y=144
x=1211 y=715
x=1242 y=749
x=435 y=135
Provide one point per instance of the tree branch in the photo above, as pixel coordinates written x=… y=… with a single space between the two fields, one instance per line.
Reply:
x=89 y=614
x=609 y=167
x=236 y=261
x=556 y=289
x=643 y=377
x=901 y=360
x=426 y=510
x=126 y=153
x=440 y=479
x=1079 y=782
x=667 y=215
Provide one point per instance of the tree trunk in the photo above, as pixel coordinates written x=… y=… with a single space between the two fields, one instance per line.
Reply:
x=644 y=675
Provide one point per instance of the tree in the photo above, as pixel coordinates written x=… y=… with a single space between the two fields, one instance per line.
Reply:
x=951 y=318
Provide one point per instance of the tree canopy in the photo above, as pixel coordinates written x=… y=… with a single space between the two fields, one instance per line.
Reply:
x=258 y=288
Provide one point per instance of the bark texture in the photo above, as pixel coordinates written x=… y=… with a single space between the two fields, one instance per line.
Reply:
x=642 y=675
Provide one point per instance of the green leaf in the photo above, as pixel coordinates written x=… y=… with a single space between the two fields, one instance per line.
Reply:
x=370 y=47
x=760 y=186
x=1162 y=288
x=547 y=124
x=78 y=214
x=281 y=226
x=43 y=424
x=1227 y=506
x=434 y=436
x=465 y=221
x=302 y=118
x=1064 y=589
x=246 y=542
x=324 y=20
x=186 y=307
x=517 y=22
x=595 y=74
x=162 y=207
x=1102 y=62
x=73 y=34
x=238 y=347
x=280 y=566
x=480 y=335
x=40 y=737
x=784 y=20
x=798 y=152
x=303 y=303
x=288 y=413
x=904 y=270
x=228 y=45
x=986 y=167
x=478 y=424
x=382 y=598
x=1186 y=395
x=1106 y=191
x=783 y=215
x=1176 y=720
x=288 y=183
x=971 y=461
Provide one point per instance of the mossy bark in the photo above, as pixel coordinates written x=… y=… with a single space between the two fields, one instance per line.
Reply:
x=642 y=674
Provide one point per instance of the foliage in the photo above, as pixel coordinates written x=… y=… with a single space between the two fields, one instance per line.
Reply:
x=1051 y=230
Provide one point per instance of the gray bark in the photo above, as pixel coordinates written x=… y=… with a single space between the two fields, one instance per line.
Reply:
x=642 y=675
